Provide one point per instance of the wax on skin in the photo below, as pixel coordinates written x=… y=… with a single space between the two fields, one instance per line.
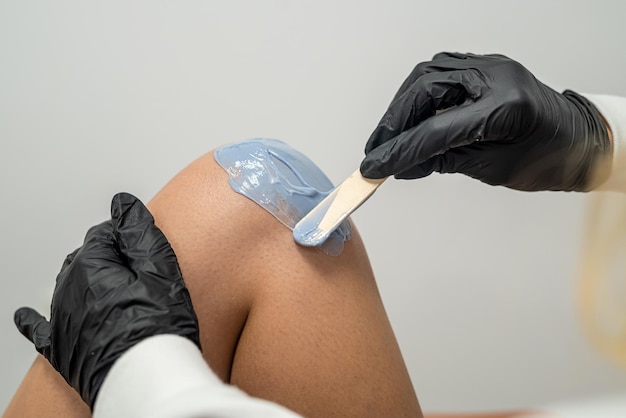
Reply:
x=281 y=180
x=308 y=233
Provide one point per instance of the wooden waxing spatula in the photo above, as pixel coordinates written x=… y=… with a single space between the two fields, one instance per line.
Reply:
x=323 y=219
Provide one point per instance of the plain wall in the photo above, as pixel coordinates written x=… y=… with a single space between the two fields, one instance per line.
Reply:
x=101 y=97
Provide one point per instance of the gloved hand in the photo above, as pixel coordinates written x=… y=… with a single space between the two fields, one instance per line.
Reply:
x=122 y=286
x=502 y=126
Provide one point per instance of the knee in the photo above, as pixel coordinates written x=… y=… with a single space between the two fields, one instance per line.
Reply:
x=232 y=252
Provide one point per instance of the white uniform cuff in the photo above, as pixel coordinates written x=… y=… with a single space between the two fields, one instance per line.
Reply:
x=165 y=376
x=613 y=109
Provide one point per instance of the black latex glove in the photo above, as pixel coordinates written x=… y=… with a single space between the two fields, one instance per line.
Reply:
x=122 y=286
x=507 y=127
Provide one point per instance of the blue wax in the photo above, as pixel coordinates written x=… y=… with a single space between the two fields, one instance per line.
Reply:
x=281 y=180
x=307 y=233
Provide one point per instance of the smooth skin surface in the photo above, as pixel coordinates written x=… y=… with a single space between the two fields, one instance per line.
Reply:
x=44 y=393
x=283 y=322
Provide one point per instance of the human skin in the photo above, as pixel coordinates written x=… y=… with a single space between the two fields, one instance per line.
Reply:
x=282 y=322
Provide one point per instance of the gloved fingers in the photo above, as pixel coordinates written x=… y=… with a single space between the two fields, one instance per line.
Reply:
x=455 y=160
x=450 y=129
x=142 y=243
x=451 y=61
x=99 y=250
x=98 y=237
x=35 y=328
x=133 y=227
x=421 y=170
x=68 y=260
x=127 y=209
x=441 y=62
x=446 y=54
x=429 y=93
x=419 y=70
x=454 y=61
x=150 y=255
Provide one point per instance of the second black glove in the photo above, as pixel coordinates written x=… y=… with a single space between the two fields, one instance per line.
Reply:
x=122 y=286
x=502 y=127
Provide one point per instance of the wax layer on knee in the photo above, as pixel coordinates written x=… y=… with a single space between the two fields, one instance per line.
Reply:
x=281 y=180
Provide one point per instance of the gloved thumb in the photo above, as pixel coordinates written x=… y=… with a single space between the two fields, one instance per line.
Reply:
x=139 y=239
x=128 y=212
x=34 y=326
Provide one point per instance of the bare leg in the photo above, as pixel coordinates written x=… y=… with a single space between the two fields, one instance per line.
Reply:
x=283 y=322
x=316 y=336
x=44 y=393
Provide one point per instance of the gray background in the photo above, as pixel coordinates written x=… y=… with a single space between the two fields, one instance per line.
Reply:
x=101 y=97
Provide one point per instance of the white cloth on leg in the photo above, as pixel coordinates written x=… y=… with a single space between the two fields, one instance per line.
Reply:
x=165 y=376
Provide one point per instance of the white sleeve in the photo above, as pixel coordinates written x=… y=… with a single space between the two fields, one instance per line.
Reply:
x=165 y=376
x=613 y=109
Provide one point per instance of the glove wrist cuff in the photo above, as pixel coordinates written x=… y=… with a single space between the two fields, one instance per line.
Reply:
x=593 y=134
x=613 y=109
x=153 y=372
